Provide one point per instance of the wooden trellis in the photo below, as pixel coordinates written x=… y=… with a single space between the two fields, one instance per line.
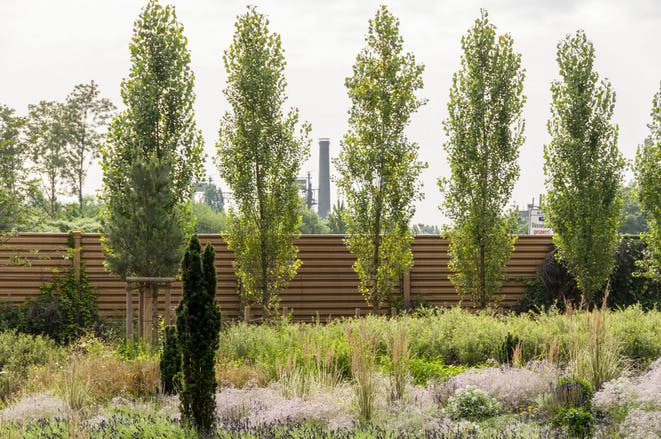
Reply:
x=147 y=305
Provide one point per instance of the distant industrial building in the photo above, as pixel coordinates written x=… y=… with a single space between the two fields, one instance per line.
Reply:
x=319 y=197
x=534 y=216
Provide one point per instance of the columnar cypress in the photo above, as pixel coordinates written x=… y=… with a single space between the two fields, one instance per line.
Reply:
x=198 y=326
x=170 y=364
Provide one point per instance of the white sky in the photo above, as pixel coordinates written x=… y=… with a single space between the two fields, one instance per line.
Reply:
x=47 y=47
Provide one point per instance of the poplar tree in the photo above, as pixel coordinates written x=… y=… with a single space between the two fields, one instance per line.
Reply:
x=14 y=186
x=260 y=151
x=378 y=165
x=153 y=152
x=485 y=131
x=583 y=167
x=648 y=190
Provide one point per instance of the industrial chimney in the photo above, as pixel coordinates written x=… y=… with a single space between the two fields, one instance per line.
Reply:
x=323 y=206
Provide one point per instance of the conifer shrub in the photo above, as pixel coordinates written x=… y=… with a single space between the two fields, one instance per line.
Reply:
x=198 y=326
x=170 y=364
x=507 y=348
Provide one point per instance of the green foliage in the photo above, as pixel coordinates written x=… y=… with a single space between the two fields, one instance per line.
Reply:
x=425 y=229
x=335 y=219
x=77 y=305
x=626 y=287
x=213 y=197
x=198 y=326
x=260 y=151
x=579 y=422
x=153 y=152
x=170 y=364
x=648 y=187
x=425 y=370
x=208 y=220
x=485 y=130
x=442 y=340
x=14 y=186
x=556 y=286
x=506 y=350
x=472 y=404
x=87 y=117
x=568 y=402
x=48 y=134
x=568 y=392
x=583 y=167
x=18 y=352
x=311 y=224
x=378 y=166
x=65 y=309
x=634 y=221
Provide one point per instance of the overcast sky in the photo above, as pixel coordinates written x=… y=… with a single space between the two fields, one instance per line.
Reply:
x=49 y=46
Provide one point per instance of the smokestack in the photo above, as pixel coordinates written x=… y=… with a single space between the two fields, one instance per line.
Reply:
x=323 y=206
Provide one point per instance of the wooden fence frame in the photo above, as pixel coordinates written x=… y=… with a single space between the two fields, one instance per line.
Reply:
x=325 y=286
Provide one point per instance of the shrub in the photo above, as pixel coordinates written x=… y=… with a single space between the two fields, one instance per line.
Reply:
x=170 y=364
x=570 y=392
x=198 y=326
x=472 y=404
x=18 y=353
x=78 y=312
x=626 y=286
x=579 y=422
x=555 y=286
x=513 y=387
x=65 y=309
x=507 y=348
x=424 y=370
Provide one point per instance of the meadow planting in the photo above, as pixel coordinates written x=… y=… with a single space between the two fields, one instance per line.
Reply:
x=447 y=373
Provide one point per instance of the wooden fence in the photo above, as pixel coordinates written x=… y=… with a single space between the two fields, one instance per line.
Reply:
x=325 y=285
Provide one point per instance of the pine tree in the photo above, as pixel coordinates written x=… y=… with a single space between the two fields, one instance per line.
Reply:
x=198 y=326
x=153 y=152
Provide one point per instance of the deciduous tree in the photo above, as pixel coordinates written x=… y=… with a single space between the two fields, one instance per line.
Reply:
x=485 y=131
x=583 y=167
x=87 y=118
x=260 y=151
x=648 y=188
x=48 y=135
x=13 y=155
x=378 y=165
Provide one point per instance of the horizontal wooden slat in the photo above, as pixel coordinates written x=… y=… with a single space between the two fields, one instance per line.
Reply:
x=324 y=286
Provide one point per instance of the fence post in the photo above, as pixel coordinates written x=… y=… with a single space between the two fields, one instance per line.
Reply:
x=77 y=235
x=406 y=281
x=246 y=313
x=129 y=311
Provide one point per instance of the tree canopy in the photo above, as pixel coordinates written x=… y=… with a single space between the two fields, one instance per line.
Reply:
x=153 y=153
x=485 y=131
x=583 y=167
x=260 y=150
